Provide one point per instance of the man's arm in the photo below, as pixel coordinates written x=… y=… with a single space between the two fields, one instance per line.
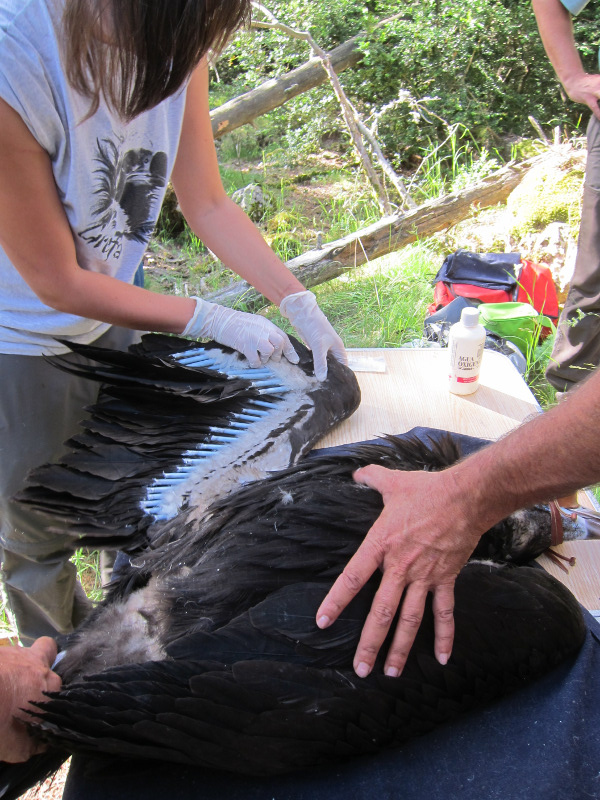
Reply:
x=25 y=674
x=431 y=522
x=556 y=32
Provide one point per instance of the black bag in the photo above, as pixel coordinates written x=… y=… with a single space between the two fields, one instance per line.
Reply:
x=489 y=270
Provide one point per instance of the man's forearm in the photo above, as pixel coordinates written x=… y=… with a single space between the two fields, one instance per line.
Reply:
x=548 y=457
x=556 y=32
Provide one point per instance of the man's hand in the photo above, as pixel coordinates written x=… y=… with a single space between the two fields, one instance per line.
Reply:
x=25 y=674
x=584 y=88
x=421 y=546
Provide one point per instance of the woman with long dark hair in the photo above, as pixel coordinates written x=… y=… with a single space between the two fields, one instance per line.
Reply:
x=102 y=102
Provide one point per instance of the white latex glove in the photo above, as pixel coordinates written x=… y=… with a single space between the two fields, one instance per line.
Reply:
x=250 y=334
x=313 y=326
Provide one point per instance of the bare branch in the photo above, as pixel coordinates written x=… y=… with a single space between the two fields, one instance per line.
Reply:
x=349 y=113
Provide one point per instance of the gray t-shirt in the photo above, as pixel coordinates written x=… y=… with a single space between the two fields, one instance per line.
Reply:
x=574 y=6
x=111 y=176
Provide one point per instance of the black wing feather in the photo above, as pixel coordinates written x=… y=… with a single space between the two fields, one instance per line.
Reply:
x=268 y=716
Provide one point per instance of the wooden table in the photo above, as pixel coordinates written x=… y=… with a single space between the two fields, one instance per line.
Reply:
x=403 y=389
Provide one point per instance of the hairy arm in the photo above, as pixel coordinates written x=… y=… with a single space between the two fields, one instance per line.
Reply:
x=431 y=522
x=556 y=32
x=25 y=674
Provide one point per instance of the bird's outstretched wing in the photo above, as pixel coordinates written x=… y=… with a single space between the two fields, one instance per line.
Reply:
x=177 y=425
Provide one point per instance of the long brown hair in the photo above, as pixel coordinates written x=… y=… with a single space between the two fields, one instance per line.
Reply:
x=136 y=53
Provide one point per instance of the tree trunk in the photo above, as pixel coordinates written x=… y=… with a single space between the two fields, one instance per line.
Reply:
x=385 y=236
x=276 y=92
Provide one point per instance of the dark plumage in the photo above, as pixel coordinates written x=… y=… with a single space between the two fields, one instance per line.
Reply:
x=205 y=650
x=224 y=423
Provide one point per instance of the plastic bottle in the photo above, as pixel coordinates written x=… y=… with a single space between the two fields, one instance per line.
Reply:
x=465 y=347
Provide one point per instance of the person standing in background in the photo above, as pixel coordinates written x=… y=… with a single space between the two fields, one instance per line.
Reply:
x=577 y=346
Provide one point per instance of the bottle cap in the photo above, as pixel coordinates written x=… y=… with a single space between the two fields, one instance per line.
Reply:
x=470 y=317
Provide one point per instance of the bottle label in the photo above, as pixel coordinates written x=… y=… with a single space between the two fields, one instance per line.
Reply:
x=465 y=362
x=469 y=362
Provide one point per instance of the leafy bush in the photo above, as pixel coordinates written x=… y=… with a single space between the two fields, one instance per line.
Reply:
x=481 y=64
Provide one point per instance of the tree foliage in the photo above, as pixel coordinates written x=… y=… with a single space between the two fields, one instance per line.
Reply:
x=477 y=64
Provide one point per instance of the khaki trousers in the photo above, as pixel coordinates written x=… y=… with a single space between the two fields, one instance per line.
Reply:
x=577 y=348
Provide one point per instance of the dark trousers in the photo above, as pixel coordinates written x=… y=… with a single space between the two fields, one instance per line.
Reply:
x=40 y=407
x=577 y=347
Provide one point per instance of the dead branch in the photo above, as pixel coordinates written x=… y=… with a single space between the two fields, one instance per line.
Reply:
x=277 y=91
x=387 y=235
x=348 y=112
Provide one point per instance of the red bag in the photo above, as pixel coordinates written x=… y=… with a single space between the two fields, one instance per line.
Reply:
x=522 y=281
x=444 y=293
x=535 y=286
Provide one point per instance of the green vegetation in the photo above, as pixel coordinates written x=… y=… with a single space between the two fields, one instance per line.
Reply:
x=479 y=64
x=381 y=305
x=6 y=628
x=536 y=203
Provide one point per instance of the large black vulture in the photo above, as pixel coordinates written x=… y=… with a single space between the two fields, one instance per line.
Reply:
x=205 y=650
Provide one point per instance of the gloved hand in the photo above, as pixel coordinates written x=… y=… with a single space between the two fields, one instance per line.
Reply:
x=313 y=326
x=252 y=335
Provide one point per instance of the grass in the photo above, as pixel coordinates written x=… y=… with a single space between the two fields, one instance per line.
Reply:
x=87 y=563
x=382 y=304
x=451 y=165
x=7 y=629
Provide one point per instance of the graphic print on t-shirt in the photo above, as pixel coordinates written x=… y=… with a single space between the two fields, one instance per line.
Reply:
x=127 y=191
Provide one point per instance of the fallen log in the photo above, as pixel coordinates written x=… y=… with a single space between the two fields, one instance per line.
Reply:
x=276 y=92
x=386 y=236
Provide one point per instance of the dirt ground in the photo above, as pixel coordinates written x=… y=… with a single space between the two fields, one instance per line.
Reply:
x=50 y=789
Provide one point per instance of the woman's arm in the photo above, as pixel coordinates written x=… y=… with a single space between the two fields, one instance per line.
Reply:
x=211 y=214
x=232 y=236
x=36 y=236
